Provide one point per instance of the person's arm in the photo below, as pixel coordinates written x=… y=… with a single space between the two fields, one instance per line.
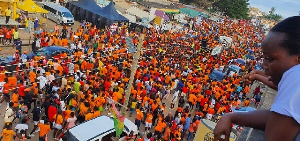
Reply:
x=260 y=76
x=255 y=119
x=281 y=127
x=264 y=79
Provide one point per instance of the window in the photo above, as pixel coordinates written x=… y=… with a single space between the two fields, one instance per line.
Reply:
x=67 y=14
x=113 y=134
x=51 y=10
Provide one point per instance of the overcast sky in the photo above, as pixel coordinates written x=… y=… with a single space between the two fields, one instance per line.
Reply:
x=286 y=8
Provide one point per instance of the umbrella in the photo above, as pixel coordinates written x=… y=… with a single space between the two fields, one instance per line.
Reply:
x=161 y=14
x=241 y=61
x=30 y=6
x=38 y=32
x=250 y=50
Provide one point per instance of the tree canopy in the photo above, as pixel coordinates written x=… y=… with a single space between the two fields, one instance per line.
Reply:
x=201 y=3
x=232 y=8
x=272 y=15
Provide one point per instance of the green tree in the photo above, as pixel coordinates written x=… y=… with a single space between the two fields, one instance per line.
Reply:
x=272 y=11
x=200 y=3
x=275 y=17
x=232 y=8
x=272 y=16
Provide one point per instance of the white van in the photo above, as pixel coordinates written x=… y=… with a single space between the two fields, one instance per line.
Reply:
x=100 y=129
x=58 y=13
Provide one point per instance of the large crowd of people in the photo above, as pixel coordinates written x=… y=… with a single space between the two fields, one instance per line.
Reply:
x=69 y=88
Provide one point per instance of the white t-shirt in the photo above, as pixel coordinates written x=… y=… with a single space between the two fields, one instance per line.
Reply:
x=2 y=86
x=71 y=122
x=43 y=80
x=21 y=127
x=287 y=99
x=62 y=106
x=9 y=115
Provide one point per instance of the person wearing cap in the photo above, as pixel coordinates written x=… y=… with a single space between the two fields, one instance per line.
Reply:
x=24 y=57
x=16 y=57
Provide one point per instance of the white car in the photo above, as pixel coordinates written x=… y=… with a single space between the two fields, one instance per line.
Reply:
x=99 y=129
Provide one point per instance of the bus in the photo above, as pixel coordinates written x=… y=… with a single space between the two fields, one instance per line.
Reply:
x=58 y=13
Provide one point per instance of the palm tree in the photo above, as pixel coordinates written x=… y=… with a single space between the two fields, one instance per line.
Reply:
x=272 y=11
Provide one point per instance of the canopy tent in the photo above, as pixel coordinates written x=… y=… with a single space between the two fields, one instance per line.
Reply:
x=103 y=2
x=31 y=7
x=90 y=11
x=191 y=12
x=111 y=13
x=161 y=14
x=170 y=11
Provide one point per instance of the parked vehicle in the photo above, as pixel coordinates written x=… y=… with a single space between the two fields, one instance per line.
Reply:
x=235 y=69
x=58 y=13
x=49 y=51
x=99 y=129
x=216 y=75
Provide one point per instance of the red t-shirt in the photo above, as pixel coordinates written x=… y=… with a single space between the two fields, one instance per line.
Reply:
x=51 y=112
x=21 y=90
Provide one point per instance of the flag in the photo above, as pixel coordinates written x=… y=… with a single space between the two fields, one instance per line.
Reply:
x=118 y=121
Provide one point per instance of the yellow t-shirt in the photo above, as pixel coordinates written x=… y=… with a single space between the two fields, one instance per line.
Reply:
x=26 y=22
x=133 y=105
x=7 y=12
x=7 y=134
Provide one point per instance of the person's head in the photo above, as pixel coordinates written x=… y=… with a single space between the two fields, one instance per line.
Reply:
x=23 y=121
x=8 y=126
x=11 y=104
x=38 y=103
x=281 y=48
x=72 y=114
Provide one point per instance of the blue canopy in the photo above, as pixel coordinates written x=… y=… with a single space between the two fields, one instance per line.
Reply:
x=89 y=10
x=86 y=4
x=111 y=13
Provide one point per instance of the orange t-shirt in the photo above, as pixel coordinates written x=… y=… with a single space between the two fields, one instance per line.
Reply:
x=59 y=119
x=96 y=113
x=44 y=129
x=139 y=114
x=149 y=118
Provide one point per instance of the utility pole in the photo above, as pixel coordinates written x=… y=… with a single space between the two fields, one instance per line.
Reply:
x=133 y=69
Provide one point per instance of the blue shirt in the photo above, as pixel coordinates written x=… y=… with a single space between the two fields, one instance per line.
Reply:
x=187 y=123
x=180 y=85
x=18 y=44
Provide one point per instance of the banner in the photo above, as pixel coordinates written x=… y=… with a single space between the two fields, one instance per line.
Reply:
x=118 y=120
x=158 y=20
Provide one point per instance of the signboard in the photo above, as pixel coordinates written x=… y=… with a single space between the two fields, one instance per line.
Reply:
x=216 y=50
x=130 y=45
x=205 y=131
